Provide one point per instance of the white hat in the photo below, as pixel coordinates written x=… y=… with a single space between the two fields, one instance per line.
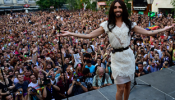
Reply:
x=144 y=63
x=58 y=17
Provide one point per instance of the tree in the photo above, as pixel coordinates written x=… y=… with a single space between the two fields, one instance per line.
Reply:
x=73 y=4
x=108 y=4
x=44 y=4
x=78 y=4
x=128 y=5
x=173 y=3
x=93 y=6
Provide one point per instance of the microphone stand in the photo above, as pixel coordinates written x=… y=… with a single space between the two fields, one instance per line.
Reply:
x=135 y=82
x=60 y=46
x=3 y=78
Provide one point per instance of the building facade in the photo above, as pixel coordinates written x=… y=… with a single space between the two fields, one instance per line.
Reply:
x=101 y=4
x=17 y=5
x=163 y=6
x=141 y=6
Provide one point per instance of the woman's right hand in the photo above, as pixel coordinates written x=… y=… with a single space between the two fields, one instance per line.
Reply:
x=64 y=33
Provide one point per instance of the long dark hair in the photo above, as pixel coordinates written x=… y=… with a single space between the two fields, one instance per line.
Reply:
x=125 y=15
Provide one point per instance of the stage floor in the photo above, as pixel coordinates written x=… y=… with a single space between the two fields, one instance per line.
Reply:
x=162 y=88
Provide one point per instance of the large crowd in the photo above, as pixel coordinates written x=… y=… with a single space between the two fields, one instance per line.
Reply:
x=35 y=65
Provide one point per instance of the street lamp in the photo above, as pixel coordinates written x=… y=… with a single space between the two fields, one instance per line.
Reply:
x=150 y=2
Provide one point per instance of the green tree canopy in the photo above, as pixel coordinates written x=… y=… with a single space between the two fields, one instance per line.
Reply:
x=44 y=4
x=173 y=3
x=128 y=5
x=78 y=4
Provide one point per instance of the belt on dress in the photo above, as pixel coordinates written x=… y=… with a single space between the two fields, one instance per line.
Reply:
x=120 y=50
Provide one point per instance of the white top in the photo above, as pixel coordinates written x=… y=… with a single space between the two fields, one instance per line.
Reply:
x=55 y=81
x=122 y=63
x=119 y=37
x=34 y=85
x=102 y=65
x=15 y=81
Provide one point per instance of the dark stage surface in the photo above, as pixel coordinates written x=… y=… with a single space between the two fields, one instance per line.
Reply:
x=162 y=88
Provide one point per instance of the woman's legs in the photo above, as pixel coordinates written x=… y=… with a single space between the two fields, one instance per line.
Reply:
x=123 y=88
x=120 y=91
x=127 y=90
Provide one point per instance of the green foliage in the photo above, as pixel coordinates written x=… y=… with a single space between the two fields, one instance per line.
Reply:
x=173 y=3
x=108 y=4
x=78 y=4
x=71 y=4
x=44 y=4
x=128 y=5
x=93 y=6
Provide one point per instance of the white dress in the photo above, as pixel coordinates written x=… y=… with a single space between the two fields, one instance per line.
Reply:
x=122 y=63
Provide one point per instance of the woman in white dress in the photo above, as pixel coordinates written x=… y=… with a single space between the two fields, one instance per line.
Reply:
x=118 y=28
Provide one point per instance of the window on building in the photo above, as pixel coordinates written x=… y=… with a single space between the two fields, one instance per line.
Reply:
x=139 y=3
x=8 y=1
x=20 y=1
x=31 y=1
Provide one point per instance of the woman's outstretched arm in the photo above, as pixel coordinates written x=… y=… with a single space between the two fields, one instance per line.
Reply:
x=143 y=31
x=93 y=34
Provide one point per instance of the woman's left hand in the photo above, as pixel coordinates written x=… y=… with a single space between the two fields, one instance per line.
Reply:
x=168 y=27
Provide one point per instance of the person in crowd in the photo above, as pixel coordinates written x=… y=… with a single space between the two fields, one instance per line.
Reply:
x=15 y=79
x=49 y=64
x=52 y=75
x=27 y=74
x=50 y=91
x=3 y=85
x=99 y=62
x=85 y=49
x=165 y=56
x=109 y=71
x=70 y=71
x=41 y=78
x=145 y=66
x=152 y=66
x=96 y=67
x=23 y=85
x=140 y=70
x=101 y=79
x=19 y=94
x=32 y=94
x=88 y=78
x=34 y=83
x=63 y=84
x=90 y=66
x=79 y=70
x=172 y=49
x=165 y=65
x=8 y=97
x=77 y=87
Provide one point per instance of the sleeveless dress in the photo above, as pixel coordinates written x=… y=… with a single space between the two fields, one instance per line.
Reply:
x=122 y=63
